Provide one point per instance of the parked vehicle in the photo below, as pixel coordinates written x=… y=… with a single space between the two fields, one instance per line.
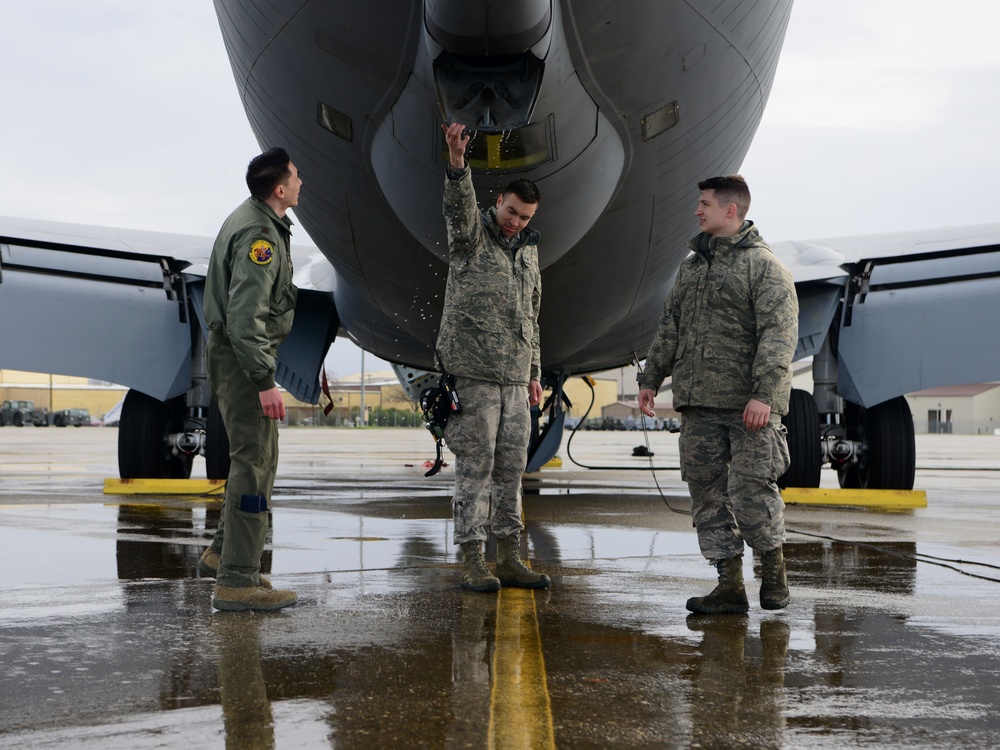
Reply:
x=20 y=413
x=74 y=417
x=632 y=423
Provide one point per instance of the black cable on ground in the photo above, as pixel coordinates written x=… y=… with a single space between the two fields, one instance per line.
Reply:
x=569 y=442
x=649 y=454
x=917 y=557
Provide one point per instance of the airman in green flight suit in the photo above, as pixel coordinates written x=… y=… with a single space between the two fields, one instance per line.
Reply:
x=249 y=305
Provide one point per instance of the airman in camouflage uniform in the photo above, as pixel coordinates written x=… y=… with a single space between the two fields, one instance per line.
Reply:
x=249 y=305
x=488 y=340
x=727 y=335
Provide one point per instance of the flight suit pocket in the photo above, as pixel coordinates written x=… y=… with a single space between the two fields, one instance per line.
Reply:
x=283 y=301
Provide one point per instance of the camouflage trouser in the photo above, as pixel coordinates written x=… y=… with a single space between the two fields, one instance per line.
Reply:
x=253 y=449
x=732 y=477
x=489 y=438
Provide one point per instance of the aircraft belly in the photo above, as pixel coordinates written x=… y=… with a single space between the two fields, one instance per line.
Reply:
x=616 y=214
x=124 y=334
x=905 y=340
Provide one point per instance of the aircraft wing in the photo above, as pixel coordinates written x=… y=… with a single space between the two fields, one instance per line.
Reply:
x=907 y=311
x=124 y=306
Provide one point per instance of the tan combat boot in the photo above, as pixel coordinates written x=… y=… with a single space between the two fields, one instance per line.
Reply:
x=475 y=575
x=773 y=580
x=208 y=566
x=729 y=597
x=514 y=573
x=252 y=597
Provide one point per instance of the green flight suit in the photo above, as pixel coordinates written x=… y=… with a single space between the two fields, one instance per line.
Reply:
x=249 y=305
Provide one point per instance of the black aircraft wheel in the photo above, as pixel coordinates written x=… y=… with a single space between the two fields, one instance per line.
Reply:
x=143 y=452
x=216 y=444
x=888 y=458
x=802 y=423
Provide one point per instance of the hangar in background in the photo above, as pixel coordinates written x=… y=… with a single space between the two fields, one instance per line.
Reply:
x=966 y=409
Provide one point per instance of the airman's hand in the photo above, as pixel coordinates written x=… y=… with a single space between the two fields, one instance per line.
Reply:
x=756 y=414
x=272 y=404
x=534 y=393
x=647 y=397
x=457 y=140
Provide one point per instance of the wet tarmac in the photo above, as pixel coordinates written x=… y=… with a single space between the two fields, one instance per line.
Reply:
x=108 y=638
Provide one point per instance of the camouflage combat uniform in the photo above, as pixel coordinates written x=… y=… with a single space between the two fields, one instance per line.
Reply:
x=489 y=340
x=249 y=305
x=727 y=334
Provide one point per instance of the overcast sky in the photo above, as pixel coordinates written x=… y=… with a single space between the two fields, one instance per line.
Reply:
x=125 y=113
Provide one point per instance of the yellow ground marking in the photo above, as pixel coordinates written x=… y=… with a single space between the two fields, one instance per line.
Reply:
x=520 y=709
x=164 y=486
x=889 y=499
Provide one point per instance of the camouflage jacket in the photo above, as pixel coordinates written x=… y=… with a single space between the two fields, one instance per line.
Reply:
x=729 y=327
x=249 y=294
x=489 y=327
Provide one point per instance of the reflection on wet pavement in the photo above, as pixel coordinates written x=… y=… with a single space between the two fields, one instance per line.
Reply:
x=108 y=639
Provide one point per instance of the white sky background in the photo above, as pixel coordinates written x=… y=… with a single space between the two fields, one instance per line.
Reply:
x=125 y=113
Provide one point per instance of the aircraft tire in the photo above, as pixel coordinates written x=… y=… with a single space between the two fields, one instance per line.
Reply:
x=888 y=450
x=142 y=449
x=887 y=428
x=216 y=444
x=802 y=423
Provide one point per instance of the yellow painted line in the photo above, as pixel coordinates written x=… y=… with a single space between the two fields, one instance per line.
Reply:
x=520 y=709
x=553 y=463
x=164 y=486
x=893 y=499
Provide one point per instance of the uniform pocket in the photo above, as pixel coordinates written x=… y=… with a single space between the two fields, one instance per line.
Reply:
x=780 y=458
x=283 y=301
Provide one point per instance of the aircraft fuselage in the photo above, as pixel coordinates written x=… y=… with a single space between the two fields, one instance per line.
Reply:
x=614 y=110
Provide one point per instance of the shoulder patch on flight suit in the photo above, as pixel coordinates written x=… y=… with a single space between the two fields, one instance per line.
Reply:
x=261 y=252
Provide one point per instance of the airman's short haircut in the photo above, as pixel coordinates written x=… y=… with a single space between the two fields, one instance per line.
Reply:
x=729 y=189
x=526 y=190
x=267 y=171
